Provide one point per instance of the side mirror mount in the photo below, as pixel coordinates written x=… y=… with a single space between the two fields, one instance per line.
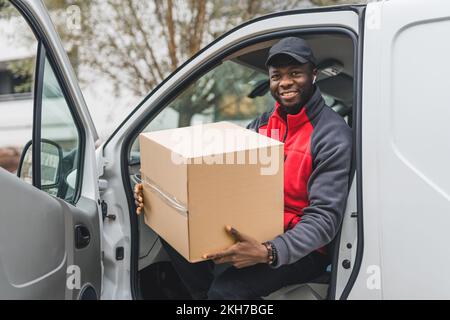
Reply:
x=51 y=163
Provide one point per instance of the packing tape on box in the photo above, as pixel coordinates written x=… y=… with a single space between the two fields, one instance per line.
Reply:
x=168 y=199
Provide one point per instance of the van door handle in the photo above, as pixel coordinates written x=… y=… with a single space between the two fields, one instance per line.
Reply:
x=82 y=236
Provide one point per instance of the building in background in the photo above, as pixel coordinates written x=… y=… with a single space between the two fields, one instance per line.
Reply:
x=17 y=67
x=16 y=97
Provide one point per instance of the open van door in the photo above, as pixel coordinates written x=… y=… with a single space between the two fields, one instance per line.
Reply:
x=50 y=244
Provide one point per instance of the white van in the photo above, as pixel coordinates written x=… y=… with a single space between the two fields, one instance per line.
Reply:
x=68 y=227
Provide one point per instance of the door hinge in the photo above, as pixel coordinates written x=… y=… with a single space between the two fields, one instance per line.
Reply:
x=105 y=214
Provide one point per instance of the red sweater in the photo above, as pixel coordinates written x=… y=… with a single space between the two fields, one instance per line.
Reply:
x=296 y=135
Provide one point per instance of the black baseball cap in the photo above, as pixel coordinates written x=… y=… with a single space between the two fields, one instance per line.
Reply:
x=294 y=47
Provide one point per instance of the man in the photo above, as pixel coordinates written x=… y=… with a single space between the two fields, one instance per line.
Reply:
x=317 y=165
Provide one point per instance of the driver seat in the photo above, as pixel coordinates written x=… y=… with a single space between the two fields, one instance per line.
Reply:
x=317 y=289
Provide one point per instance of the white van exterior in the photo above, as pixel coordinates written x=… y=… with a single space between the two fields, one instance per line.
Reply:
x=393 y=242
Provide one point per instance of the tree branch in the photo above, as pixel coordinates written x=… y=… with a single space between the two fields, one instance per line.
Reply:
x=198 y=26
x=154 y=63
x=171 y=35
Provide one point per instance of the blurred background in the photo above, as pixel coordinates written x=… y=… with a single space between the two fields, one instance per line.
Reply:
x=120 y=50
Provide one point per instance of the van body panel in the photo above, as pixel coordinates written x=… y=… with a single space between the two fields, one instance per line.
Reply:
x=406 y=184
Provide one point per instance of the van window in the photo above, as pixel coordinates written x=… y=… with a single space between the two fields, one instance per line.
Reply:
x=17 y=65
x=222 y=94
x=59 y=134
x=237 y=90
x=58 y=126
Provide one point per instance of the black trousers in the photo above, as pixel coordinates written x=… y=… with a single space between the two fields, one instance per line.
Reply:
x=204 y=281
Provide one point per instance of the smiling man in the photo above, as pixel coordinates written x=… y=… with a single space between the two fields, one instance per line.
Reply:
x=316 y=170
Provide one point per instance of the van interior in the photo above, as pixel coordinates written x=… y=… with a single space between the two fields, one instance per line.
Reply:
x=335 y=53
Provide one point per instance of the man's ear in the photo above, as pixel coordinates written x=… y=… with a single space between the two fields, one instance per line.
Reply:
x=314 y=74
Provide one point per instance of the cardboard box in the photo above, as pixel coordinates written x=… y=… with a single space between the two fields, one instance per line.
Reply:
x=201 y=178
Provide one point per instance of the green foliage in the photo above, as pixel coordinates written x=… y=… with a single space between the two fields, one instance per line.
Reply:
x=6 y=9
x=223 y=93
x=22 y=70
x=4 y=4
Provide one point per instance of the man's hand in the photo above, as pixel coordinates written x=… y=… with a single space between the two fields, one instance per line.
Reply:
x=244 y=253
x=139 y=198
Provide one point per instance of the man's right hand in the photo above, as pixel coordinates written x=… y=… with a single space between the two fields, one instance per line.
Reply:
x=139 y=198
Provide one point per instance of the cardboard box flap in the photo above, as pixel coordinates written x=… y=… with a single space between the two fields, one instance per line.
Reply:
x=210 y=139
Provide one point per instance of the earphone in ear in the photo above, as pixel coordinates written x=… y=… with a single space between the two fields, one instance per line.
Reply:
x=314 y=79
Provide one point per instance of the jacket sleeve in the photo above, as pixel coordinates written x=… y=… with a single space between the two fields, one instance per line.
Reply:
x=331 y=148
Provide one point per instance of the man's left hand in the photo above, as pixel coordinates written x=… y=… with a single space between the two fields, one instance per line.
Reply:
x=244 y=253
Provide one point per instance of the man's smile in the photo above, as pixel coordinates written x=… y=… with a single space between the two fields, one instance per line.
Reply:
x=289 y=94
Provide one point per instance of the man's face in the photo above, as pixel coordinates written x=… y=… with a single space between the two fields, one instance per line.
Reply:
x=291 y=84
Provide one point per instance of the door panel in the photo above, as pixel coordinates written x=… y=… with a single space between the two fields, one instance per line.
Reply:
x=88 y=259
x=39 y=255
x=30 y=221
x=405 y=151
x=415 y=141
x=36 y=248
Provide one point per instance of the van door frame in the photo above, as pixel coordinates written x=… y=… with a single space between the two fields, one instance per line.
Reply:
x=356 y=166
x=126 y=144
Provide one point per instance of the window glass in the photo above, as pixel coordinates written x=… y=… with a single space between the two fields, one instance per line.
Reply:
x=222 y=94
x=60 y=140
x=17 y=64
